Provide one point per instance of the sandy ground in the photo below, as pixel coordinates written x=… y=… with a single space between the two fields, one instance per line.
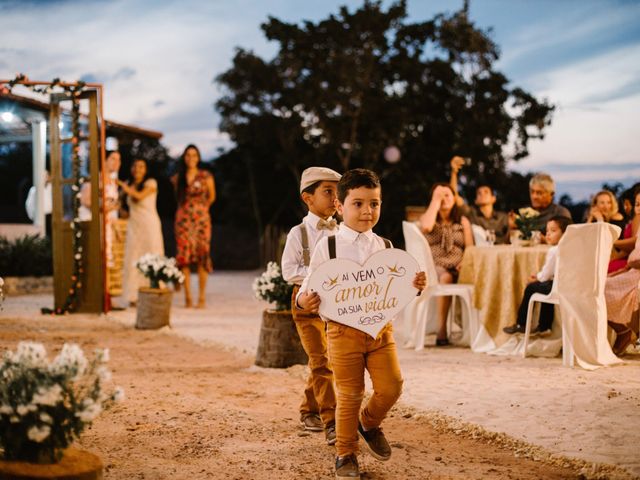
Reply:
x=201 y=410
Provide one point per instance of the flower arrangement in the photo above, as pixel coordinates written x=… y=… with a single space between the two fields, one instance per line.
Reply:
x=158 y=268
x=45 y=406
x=270 y=286
x=525 y=220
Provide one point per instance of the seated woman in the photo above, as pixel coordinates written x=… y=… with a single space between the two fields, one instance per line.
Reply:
x=625 y=244
x=448 y=234
x=621 y=294
x=604 y=208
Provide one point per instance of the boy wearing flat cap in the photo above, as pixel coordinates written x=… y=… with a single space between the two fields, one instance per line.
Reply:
x=318 y=191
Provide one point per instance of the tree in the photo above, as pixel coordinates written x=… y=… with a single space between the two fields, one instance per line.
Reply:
x=339 y=91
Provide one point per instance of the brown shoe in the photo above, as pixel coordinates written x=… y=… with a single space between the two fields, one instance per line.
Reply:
x=312 y=422
x=376 y=443
x=330 y=433
x=623 y=340
x=347 y=467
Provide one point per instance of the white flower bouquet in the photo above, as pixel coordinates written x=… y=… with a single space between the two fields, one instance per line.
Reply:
x=158 y=268
x=525 y=221
x=45 y=406
x=270 y=286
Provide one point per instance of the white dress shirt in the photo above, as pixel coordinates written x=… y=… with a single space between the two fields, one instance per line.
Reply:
x=30 y=203
x=549 y=267
x=293 y=268
x=349 y=244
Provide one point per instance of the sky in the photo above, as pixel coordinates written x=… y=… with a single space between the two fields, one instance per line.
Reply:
x=158 y=60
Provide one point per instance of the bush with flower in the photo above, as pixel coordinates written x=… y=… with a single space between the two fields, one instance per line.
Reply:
x=270 y=286
x=158 y=268
x=525 y=221
x=45 y=406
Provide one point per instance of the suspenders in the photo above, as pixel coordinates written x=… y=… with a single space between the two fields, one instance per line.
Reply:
x=306 y=256
x=332 y=245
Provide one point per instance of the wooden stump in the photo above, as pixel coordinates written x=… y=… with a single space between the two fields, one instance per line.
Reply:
x=279 y=345
x=154 y=308
x=75 y=465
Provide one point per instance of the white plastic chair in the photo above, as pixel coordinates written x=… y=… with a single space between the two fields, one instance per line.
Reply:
x=479 y=235
x=417 y=313
x=533 y=312
x=578 y=288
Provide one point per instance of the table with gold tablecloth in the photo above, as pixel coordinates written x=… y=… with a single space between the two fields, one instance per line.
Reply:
x=499 y=275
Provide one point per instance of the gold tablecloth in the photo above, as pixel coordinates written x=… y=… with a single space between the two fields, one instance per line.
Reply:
x=499 y=276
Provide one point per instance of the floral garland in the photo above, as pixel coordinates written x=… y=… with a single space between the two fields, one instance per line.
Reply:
x=75 y=90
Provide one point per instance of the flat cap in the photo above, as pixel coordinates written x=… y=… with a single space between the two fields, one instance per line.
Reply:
x=318 y=174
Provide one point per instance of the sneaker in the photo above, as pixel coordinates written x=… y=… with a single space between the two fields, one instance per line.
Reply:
x=347 y=467
x=376 y=442
x=517 y=328
x=312 y=422
x=536 y=332
x=330 y=433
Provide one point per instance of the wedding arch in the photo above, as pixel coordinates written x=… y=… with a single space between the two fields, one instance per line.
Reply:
x=77 y=157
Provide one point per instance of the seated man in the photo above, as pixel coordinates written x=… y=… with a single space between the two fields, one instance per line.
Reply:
x=483 y=213
x=541 y=191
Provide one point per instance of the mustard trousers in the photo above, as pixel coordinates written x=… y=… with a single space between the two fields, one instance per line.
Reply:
x=319 y=394
x=350 y=352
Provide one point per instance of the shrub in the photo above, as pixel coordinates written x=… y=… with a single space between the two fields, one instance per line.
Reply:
x=26 y=256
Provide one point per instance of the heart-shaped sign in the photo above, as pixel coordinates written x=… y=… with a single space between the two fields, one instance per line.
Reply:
x=367 y=296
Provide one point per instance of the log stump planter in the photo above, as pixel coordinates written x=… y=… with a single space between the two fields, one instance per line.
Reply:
x=279 y=345
x=74 y=465
x=154 y=308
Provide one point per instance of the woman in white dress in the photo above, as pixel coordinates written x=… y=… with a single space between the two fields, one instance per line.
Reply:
x=144 y=231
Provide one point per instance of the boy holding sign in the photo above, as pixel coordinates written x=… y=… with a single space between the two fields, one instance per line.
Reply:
x=352 y=350
x=318 y=192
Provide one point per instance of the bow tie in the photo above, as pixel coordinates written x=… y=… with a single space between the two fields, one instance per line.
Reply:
x=324 y=224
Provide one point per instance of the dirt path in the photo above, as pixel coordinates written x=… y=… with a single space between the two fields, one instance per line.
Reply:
x=196 y=412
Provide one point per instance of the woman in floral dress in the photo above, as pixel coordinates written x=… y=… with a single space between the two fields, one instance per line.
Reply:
x=196 y=192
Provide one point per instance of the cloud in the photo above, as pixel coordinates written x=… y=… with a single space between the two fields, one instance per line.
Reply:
x=125 y=73
x=581 y=180
x=566 y=35
x=90 y=78
x=629 y=89
x=596 y=119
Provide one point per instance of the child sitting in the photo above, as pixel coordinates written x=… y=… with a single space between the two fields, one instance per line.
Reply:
x=352 y=350
x=542 y=282
x=318 y=192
